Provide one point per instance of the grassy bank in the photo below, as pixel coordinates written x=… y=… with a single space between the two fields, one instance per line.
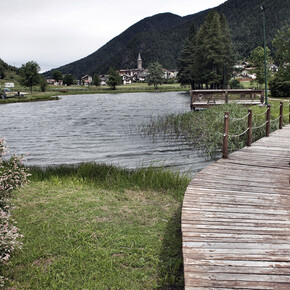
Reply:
x=38 y=97
x=99 y=227
x=204 y=129
x=55 y=92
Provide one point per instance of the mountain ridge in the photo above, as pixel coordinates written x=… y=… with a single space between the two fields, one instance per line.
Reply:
x=160 y=37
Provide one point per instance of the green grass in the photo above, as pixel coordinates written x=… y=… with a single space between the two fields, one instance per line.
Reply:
x=31 y=98
x=99 y=227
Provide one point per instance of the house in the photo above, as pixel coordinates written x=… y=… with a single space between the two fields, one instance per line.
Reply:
x=169 y=74
x=54 y=82
x=141 y=77
x=104 y=80
x=274 y=68
x=126 y=79
x=86 y=80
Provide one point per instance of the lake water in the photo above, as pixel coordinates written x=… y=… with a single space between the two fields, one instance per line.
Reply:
x=98 y=127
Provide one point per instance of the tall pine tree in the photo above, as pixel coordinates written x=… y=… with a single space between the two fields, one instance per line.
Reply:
x=213 y=48
x=187 y=74
x=228 y=54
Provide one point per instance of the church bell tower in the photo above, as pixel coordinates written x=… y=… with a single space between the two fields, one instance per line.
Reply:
x=139 y=62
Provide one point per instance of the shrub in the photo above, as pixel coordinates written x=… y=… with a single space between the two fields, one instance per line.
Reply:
x=235 y=84
x=279 y=88
x=13 y=175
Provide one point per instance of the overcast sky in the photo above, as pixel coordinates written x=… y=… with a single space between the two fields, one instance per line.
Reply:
x=57 y=32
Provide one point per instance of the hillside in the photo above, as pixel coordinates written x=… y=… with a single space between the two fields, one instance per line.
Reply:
x=160 y=37
x=7 y=72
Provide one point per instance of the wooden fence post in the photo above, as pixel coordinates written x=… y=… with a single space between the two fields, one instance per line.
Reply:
x=250 y=117
x=289 y=113
x=227 y=97
x=191 y=100
x=281 y=116
x=268 y=115
x=226 y=134
x=262 y=97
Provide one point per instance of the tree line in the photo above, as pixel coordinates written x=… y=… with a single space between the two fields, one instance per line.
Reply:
x=207 y=58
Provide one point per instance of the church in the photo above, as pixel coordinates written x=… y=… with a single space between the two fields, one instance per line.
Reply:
x=135 y=74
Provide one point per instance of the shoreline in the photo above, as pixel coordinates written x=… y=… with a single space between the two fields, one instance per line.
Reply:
x=56 y=95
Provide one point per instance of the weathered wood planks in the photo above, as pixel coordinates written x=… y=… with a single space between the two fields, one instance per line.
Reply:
x=236 y=219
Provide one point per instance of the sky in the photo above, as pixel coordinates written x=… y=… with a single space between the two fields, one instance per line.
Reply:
x=56 y=32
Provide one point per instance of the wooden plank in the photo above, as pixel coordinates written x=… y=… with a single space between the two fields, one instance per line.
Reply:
x=205 y=284
x=242 y=277
x=262 y=270
x=236 y=263
x=235 y=256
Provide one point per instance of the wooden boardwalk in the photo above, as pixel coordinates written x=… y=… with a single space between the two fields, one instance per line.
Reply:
x=236 y=219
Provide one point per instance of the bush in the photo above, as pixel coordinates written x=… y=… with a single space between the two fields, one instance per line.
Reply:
x=12 y=175
x=235 y=84
x=279 y=88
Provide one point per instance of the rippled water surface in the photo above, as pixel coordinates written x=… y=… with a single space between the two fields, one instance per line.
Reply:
x=99 y=127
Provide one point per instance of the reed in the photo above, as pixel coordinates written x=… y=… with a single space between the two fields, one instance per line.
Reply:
x=203 y=130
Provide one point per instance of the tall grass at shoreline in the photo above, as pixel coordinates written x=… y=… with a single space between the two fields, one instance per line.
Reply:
x=112 y=177
x=99 y=227
x=204 y=129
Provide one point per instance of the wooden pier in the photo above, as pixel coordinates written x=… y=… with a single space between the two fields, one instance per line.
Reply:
x=208 y=98
x=236 y=219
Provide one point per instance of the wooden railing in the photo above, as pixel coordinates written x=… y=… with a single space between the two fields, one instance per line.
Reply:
x=249 y=130
x=212 y=97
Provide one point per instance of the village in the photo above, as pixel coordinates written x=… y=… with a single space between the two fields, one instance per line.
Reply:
x=129 y=76
x=243 y=72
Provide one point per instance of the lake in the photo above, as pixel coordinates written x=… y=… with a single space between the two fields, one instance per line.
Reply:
x=98 y=127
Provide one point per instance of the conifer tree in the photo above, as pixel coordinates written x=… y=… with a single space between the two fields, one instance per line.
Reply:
x=96 y=80
x=201 y=57
x=213 y=47
x=228 y=54
x=187 y=60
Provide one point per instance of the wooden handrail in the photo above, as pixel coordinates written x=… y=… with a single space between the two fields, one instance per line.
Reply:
x=197 y=95
x=250 y=126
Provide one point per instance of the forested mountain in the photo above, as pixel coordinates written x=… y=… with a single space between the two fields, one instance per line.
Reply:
x=160 y=37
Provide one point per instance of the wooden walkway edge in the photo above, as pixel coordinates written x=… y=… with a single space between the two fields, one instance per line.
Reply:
x=236 y=219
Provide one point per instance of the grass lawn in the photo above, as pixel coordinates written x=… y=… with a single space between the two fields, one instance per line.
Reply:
x=99 y=227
